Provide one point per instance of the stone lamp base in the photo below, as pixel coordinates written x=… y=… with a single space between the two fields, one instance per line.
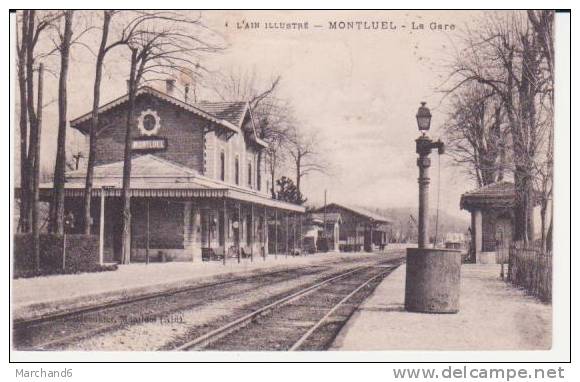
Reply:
x=433 y=280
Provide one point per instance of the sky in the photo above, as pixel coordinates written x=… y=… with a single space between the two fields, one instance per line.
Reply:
x=358 y=90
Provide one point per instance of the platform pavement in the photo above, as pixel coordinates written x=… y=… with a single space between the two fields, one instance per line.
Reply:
x=39 y=296
x=493 y=316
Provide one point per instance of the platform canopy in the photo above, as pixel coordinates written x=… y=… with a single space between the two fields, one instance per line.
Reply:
x=152 y=176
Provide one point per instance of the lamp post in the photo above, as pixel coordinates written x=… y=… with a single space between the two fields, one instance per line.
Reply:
x=424 y=147
x=432 y=275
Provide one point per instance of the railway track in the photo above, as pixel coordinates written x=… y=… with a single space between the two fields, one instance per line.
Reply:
x=59 y=332
x=314 y=315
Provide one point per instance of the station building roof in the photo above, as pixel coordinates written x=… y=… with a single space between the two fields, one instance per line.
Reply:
x=152 y=176
x=330 y=217
x=362 y=212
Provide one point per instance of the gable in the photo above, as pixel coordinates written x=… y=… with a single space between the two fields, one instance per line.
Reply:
x=82 y=123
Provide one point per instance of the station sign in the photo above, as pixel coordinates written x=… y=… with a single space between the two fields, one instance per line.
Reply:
x=149 y=144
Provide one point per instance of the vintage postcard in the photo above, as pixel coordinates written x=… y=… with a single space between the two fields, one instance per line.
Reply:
x=311 y=182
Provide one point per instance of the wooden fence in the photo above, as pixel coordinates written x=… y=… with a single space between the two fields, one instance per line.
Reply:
x=531 y=268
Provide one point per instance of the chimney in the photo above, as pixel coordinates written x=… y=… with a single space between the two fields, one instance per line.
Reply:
x=169 y=86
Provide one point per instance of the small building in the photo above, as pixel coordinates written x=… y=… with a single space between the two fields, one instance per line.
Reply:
x=492 y=220
x=324 y=226
x=454 y=240
x=360 y=229
x=198 y=185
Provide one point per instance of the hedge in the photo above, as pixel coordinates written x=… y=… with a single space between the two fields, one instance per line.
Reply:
x=82 y=255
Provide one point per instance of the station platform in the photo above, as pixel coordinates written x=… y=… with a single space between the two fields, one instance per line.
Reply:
x=493 y=315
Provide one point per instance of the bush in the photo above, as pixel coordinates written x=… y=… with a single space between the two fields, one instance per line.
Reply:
x=82 y=255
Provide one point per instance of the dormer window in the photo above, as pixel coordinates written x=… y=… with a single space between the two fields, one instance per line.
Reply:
x=250 y=174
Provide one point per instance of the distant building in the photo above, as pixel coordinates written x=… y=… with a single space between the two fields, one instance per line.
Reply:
x=359 y=229
x=454 y=240
x=324 y=226
x=198 y=184
x=492 y=219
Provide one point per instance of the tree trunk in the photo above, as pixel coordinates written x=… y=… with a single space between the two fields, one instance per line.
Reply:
x=126 y=194
x=36 y=175
x=273 y=173
x=549 y=233
x=57 y=208
x=524 y=204
x=95 y=123
x=544 y=209
x=298 y=175
x=32 y=120
x=24 y=223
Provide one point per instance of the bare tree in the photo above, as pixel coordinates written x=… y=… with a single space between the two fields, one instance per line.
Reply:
x=22 y=41
x=505 y=55
x=272 y=114
x=32 y=25
x=128 y=29
x=542 y=22
x=306 y=159
x=56 y=219
x=165 y=44
x=477 y=140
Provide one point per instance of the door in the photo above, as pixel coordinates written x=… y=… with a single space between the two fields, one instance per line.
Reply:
x=503 y=239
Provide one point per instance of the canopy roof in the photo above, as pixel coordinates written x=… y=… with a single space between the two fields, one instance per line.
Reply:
x=364 y=213
x=152 y=176
x=330 y=217
x=494 y=195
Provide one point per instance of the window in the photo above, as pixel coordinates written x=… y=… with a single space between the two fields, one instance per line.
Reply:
x=259 y=174
x=250 y=175
x=222 y=166
x=237 y=171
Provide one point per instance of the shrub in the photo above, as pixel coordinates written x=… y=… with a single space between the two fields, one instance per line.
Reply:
x=81 y=255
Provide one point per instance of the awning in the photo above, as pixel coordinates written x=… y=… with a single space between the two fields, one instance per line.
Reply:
x=153 y=177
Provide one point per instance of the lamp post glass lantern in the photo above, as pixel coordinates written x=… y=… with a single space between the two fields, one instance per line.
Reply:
x=423 y=118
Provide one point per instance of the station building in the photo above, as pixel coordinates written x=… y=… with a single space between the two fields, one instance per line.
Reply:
x=324 y=226
x=360 y=229
x=198 y=184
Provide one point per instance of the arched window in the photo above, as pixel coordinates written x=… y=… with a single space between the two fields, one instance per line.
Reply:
x=237 y=171
x=250 y=174
x=222 y=166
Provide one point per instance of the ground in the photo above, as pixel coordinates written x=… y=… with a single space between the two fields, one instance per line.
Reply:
x=41 y=295
x=493 y=316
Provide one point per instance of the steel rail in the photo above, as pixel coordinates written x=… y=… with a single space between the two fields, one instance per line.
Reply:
x=28 y=322
x=46 y=319
x=214 y=335
x=306 y=335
